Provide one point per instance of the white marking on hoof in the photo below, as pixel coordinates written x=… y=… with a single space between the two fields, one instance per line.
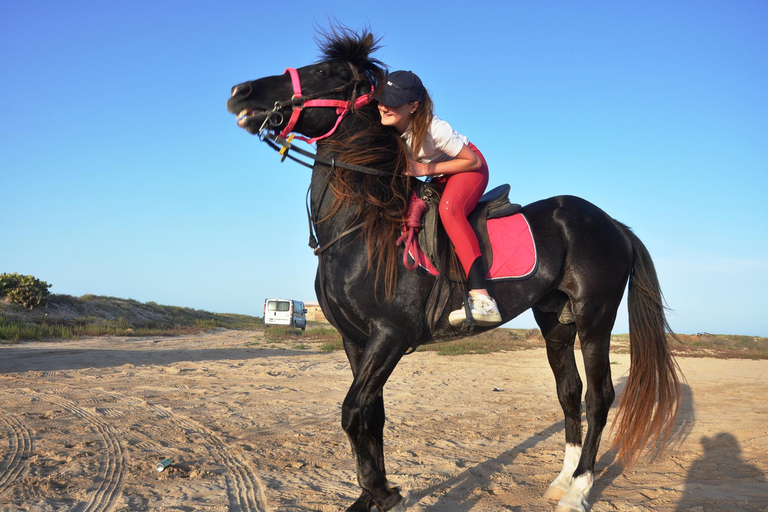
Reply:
x=565 y=508
x=560 y=485
x=575 y=499
x=554 y=493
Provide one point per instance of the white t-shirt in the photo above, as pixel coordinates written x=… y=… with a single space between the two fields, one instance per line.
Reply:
x=440 y=144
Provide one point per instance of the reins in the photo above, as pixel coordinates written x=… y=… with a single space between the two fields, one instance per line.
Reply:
x=274 y=141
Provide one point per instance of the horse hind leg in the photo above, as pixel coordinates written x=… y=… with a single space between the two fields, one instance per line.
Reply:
x=560 y=336
x=595 y=344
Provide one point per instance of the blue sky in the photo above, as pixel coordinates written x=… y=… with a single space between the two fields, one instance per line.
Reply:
x=122 y=174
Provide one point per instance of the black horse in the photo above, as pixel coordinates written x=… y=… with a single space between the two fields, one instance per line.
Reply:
x=586 y=259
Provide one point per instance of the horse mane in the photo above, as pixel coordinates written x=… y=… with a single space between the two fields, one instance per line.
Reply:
x=341 y=43
x=381 y=202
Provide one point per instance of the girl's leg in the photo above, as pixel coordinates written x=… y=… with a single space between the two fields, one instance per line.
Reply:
x=462 y=192
x=461 y=195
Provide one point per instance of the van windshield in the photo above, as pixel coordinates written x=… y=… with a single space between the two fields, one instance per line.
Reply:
x=278 y=305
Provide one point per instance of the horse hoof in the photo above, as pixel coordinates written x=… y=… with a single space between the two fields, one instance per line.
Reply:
x=562 y=507
x=554 y=493
x=359 y=507
x=394 y=503
x=568 y=508
x=400 y=507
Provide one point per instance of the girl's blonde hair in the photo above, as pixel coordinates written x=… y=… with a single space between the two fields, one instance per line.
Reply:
x=422 y=118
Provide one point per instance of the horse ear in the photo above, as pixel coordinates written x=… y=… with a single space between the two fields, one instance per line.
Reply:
x=369 y=42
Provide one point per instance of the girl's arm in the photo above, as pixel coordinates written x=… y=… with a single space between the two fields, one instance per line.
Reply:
x=465 y=161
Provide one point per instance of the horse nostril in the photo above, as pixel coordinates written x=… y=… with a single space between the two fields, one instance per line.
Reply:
x=241 y=90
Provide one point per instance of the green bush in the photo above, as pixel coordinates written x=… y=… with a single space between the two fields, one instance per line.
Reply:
x=28 y=291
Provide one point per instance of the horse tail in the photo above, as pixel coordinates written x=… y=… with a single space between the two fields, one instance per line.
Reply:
x=651 y=397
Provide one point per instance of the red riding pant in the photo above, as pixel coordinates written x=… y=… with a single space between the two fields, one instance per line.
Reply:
x=462 y=192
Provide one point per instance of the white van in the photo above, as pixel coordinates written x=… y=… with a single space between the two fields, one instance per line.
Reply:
x=285 y=312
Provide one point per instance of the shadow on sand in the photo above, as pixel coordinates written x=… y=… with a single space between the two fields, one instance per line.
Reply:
x=51 y=359
x=711 y=478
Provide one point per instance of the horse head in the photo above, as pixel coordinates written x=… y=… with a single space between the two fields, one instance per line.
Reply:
x=311 y=100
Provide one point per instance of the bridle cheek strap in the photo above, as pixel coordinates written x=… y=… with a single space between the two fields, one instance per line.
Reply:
x=296 y=100
x=342 y=107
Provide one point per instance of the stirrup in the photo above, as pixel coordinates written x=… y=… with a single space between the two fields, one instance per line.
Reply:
x=465 y=321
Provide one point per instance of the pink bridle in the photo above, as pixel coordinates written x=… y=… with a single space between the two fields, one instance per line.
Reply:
x=299 y=103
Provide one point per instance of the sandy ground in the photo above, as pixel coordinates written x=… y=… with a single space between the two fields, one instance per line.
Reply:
x=250 y=428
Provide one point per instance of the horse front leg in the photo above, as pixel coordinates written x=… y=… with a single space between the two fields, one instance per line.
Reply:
x=363 y=420
x=365 y=502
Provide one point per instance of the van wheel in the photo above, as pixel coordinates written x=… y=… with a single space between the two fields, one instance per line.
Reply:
x=304 y=327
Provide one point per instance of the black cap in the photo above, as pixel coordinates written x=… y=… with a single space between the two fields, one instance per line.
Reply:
x=401 y=87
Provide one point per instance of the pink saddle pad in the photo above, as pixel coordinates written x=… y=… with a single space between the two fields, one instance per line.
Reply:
x=514 y=252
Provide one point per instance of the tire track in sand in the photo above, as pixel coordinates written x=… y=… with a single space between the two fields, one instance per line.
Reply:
x=20 y=446
x=245 y=490
x=111 y=468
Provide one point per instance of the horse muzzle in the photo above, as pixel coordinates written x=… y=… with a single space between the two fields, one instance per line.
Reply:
x=258 y=120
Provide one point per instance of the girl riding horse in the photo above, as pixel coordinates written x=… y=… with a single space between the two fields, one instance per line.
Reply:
x=450 y=160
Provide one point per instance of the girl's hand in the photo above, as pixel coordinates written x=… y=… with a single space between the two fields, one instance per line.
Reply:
x=417 y=169
x=465 y=161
